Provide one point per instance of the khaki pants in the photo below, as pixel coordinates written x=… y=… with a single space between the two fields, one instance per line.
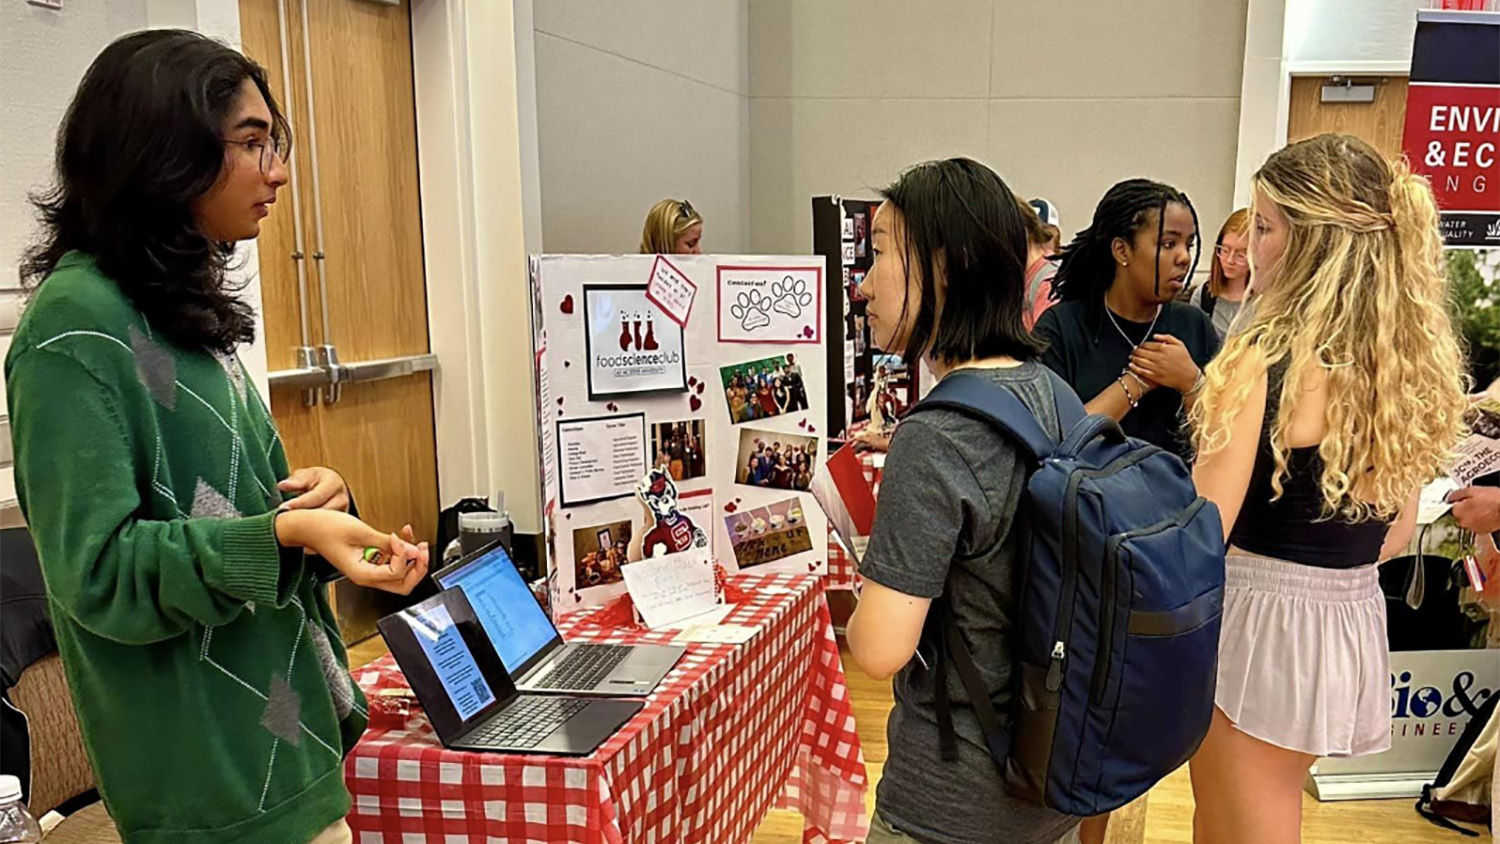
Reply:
x=338 y=833
x=883 y=833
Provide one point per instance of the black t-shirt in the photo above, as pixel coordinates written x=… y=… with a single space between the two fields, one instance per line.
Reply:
x=1088 y=351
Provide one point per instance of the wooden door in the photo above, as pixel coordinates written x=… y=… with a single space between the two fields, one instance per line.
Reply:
x=378 y=434
x=1377 y=123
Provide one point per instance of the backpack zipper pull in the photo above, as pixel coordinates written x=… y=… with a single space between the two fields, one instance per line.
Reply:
x=1054 y=671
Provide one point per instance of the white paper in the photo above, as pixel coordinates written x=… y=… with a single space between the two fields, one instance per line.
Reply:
x=699 y=507
x=1479 y=455
x=672 y=588
x=671 y=291
x=712 y=617
x=1432 y=504
x=632 y=346
x=602 y=458
x=770 y=304
x=723 y=634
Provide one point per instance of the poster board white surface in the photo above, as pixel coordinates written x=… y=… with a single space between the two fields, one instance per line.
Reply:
x=588 y=573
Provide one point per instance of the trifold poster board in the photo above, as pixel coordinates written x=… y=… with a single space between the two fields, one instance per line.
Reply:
x=710 y=369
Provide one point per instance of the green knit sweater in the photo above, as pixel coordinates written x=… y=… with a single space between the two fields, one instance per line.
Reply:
x=206 y=667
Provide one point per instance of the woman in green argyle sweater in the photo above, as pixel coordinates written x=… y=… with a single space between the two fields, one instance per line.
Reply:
x=187 y=593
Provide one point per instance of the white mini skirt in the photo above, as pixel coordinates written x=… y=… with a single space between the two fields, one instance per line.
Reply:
x=1303 y=656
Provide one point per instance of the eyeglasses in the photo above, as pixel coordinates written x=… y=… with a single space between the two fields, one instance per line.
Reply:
x=1232 y=256
x=685 y=209
x=264 y=149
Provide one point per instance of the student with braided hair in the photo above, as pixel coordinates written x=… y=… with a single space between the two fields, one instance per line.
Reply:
x=1117 y=335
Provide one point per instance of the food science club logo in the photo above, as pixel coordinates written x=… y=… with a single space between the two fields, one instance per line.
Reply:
x=1429 y=710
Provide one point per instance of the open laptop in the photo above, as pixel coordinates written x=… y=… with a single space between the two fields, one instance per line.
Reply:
x=529 y=644
x=470 y=699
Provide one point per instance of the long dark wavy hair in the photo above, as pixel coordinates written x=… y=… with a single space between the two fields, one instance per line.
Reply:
x=141 y=142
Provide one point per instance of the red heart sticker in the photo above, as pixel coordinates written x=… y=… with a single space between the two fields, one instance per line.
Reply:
x=807 y=331
x=577 y=598
x=811 y=429
x=567 y=363
x=730 y=507
x=802 y=423
x=695 y=403
x=701 y=385
x=812 y=567
x=693 y=381
x=559 y=401
x=567 y=304
x=613 y=408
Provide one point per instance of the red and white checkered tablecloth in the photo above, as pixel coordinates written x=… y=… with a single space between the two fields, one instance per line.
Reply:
x=841 y=573
x=731 y=731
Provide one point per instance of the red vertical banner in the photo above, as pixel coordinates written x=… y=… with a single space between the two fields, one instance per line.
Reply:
x=1452 y=131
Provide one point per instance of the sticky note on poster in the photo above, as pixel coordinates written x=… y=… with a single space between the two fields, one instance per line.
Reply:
x=671 y=290
x=672 y=588
x=770 y=304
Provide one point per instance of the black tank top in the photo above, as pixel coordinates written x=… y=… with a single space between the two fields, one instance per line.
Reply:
x=1292 y=528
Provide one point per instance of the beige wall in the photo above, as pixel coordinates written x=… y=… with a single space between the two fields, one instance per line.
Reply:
x=1062 y=102
x=636 y=102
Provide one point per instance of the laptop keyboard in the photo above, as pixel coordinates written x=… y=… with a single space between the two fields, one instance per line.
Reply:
x=525 y=723
x=583 y=668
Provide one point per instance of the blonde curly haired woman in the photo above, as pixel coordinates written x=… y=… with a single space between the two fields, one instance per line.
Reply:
x=673 y=227
x=1335 y=402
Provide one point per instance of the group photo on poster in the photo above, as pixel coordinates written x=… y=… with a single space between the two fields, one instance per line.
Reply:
x=764 y=389
x=677 y=448
x=776 y=461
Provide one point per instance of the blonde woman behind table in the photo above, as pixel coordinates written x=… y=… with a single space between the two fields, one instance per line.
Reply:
x=1325 y=413
x=673 y=227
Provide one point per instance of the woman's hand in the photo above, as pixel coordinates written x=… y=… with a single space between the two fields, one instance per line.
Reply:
x=342 y=540
x=1166 y=361
x=316 y=488
x=870 y=440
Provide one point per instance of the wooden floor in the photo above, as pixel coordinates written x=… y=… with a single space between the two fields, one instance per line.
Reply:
x=1169 y=814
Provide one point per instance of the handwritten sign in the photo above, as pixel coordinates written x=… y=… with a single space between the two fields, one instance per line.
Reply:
x=671 y=290
x=671 y=588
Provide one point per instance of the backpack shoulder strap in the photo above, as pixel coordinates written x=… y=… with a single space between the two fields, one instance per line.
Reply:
x=980 y=397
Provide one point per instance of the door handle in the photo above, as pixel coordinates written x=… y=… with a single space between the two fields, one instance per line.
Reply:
x=325 y=376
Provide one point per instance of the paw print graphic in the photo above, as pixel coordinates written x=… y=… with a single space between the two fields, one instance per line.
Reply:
x=752 y=309
x=790 y=296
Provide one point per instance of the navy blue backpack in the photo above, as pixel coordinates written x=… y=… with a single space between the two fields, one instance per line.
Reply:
x=1120 y=602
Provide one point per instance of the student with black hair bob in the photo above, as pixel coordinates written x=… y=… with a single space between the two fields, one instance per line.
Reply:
x=947 y=288
x=1118 y=336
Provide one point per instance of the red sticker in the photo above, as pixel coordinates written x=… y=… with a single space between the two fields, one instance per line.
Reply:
x=695 y=403
x=567 y=304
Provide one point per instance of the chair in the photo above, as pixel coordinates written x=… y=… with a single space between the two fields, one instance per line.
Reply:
x=60 y=769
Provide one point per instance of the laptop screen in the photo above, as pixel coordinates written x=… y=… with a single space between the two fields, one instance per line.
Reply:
x=447 y=657
x=509 y=613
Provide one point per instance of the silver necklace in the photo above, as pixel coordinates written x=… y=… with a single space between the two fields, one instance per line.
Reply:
x=1133 y=345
